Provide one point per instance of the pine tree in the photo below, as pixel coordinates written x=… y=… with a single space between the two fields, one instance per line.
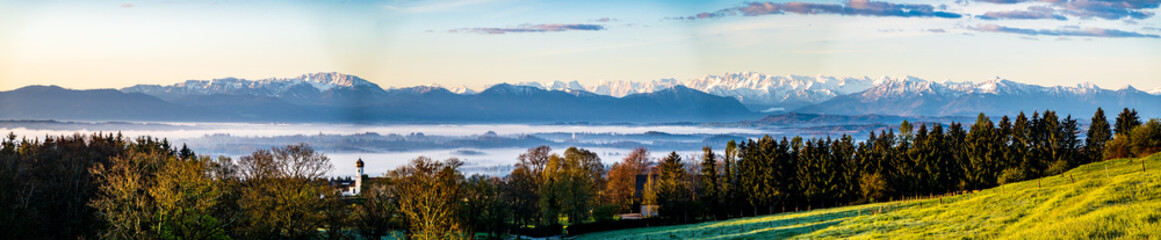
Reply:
x=672 y=190
x=982 y=153
x=1050 y=144
x=1126 y=121
x=1098 y=134
x=729 y=181
x=1070 y=143
x=709 y=180
x=1052 y=150
x=922 y=157
x=940 y=159
x=844 y=153
x=1020 y=144
x=1003 y=141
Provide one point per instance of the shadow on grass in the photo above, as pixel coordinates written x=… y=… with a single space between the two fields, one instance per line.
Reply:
x=777 y=226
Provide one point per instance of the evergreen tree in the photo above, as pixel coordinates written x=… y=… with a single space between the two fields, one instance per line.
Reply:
x=673 y=192
x=922 y=158
x=1050 y=145
x=1126 y=121
x=709 y=180
x=1052 y=141
x=1003 y=141
x=1070 y=143
x=940 y=159
x=884 y=153
x=982 y=152
x=729 y=181
x=843 y=151
x=1019 y=148
x=1098 y=134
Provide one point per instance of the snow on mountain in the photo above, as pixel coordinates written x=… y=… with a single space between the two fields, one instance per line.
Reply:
x=760 y=89
x=911 y=86
x=304 y=85
x=913 y=96
x=1155 y=91
x=621 y=88
x=757 y=90
x=462 y=89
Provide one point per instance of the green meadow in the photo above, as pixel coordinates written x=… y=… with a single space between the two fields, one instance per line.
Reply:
x=1118 y=198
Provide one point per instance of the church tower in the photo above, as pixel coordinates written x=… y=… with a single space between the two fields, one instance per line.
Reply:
x=358 y=178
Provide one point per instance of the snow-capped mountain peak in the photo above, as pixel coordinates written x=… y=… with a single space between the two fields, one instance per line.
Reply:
x=1087 y=85
x=1155 y=91
x=303 y=86
x=757 y=90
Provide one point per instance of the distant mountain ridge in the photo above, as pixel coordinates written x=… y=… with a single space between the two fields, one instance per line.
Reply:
x=757 y=91
x=730 y=97
x=335 y=97
x=910 y=96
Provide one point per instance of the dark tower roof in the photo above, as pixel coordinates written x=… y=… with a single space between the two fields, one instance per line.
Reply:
x=359 y=163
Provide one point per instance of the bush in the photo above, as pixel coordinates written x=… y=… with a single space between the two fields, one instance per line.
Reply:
x=1119 y=147
x=873 y=186
x=1146 y=138
x=1011 y=175
x=1057 y=167
x=605 y=213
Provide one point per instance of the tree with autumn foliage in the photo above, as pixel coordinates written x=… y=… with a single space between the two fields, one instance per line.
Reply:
x=621 y=189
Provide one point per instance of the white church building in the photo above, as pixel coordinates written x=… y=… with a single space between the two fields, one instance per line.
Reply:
x=348 y=186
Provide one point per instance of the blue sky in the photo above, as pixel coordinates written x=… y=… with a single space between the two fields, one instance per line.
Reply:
x=113 y=44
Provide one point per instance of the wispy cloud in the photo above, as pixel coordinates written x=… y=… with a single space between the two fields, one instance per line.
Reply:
x=1086 y=32
x=1033 y=12
x=533 y=28
x=852 y=7
x=1106 y=9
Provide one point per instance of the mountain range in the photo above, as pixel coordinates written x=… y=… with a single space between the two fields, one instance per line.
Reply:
x=902 y=96
x=336 y=97
x=910 y=96
x=757 y=91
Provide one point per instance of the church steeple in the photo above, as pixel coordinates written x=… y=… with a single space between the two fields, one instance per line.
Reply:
x=359 y=177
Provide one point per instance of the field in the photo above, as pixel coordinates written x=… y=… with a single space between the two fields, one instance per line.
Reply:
x=1110 y=199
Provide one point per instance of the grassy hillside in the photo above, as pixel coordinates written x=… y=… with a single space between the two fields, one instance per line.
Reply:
x=1110 y=199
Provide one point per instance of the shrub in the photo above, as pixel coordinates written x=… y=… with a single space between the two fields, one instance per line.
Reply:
x=1119 y=147
x=1011 y=175
x=1146 y=138
x=1057 y=167
x=873 y=187
x=605 y=212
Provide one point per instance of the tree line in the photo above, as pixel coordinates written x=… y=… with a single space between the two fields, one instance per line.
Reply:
x=109 y=186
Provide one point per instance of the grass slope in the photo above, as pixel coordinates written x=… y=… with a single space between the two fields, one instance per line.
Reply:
x=1110 y=199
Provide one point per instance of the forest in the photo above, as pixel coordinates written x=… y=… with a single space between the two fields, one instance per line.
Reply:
x=104 y=185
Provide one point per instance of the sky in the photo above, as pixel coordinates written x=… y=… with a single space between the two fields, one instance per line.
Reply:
x=474 y=43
